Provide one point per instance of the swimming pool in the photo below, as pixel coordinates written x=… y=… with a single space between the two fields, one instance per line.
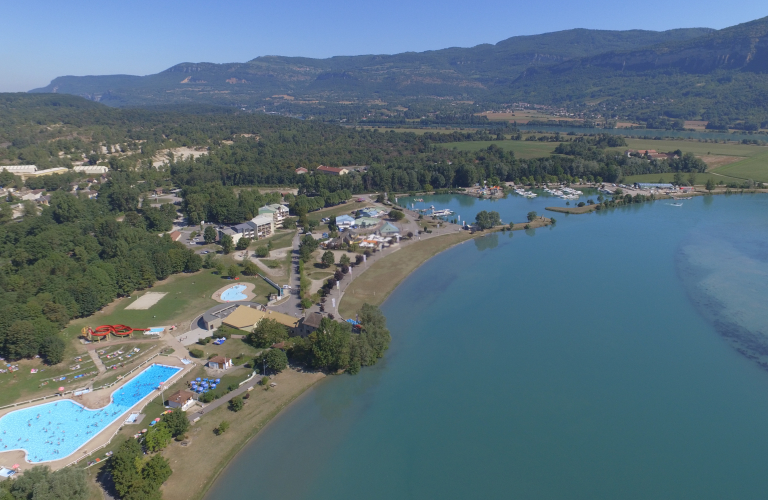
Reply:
x=52 y=431
x=234 y=293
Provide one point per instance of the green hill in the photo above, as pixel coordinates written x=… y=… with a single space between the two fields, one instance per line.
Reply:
x=456 y=73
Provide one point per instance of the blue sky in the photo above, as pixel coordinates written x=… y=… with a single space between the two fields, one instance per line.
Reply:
x=42 y=39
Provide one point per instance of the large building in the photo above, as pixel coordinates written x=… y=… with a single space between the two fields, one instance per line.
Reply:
x=26 y=171
x=246 y=318
x=263 y=226
x=92 y=169
x=278 y=213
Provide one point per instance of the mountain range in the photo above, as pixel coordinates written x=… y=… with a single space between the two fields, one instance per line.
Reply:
x=682 y=73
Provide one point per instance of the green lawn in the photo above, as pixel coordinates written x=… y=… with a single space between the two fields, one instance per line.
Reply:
x=522 y=149
x=232 y=348
x=283 y=238
x=755 y=168
x=695 y=147
x=701 y=179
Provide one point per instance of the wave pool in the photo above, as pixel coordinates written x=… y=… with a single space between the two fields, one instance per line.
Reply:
x=234 y=293
x=52 y=431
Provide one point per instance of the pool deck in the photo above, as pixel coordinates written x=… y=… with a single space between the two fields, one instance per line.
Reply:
x=248 y=292
x=92 y=400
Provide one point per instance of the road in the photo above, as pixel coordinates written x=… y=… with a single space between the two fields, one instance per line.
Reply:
x=292 y=304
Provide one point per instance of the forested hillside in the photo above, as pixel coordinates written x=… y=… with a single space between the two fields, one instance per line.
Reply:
x=455 y=73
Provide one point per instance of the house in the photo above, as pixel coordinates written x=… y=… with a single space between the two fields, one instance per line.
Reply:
x=175 y=235
x=278 y=213
x=220 y=363
x=263 y=226
x=309 y=324
x=181 y=399
x=245 y=230
x=389 y=229
x=332 y=170
x=344 y=221
x=371 y=212
x=33 y=195
x=366 y=221
x=246 y=318
x=301 y=170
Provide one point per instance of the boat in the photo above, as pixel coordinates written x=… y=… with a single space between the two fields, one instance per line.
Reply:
x=676 y=205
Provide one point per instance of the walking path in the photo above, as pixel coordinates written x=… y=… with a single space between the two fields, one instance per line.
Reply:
x=97 y=361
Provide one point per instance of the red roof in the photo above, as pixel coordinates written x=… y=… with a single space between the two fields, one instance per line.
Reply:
x=334 y=170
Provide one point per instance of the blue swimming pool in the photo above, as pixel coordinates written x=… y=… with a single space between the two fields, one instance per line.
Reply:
x=234 y=293
x=52 y=431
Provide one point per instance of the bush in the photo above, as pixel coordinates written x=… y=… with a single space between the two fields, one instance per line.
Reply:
x=222 y=428
x=204 y=340
x=196 y=353
x=306 y=303
x=262 y=251
x=236 y=404
x=207 y=397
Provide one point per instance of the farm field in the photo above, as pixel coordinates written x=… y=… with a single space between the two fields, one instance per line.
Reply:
x=697 y=148
x=669 y=177
x=755 y=168
x=522 y=149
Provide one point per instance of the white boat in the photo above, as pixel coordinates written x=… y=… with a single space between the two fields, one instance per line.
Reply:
x=676 y=205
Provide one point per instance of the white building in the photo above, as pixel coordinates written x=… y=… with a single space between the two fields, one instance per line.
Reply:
x=264 y=225
x=278 y=212
x=19 y=169
x=92 y=169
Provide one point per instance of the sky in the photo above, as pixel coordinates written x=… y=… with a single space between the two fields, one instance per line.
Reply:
x=43 y=39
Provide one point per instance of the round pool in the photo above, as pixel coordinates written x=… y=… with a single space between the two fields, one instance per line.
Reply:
x=234 y=293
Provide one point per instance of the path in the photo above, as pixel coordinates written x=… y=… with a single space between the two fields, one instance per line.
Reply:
x=292 y=305
x=97 y=361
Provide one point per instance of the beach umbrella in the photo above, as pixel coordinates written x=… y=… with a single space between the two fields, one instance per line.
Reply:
x=218 y=380
x=198 y=379
x=15 y=466
x=61 y=389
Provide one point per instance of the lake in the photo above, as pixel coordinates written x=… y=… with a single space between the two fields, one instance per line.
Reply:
x=618 y=354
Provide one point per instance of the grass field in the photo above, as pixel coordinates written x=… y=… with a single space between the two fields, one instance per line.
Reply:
x=377 y=282
x=669 y=177
x=755 y=168
x=345 y=208
x=522 y=149
x=187 y=296
x=283 y=238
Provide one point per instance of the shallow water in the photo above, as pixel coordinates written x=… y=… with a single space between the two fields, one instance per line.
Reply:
x=588 y=360
x=234 y=293
x=52 y=431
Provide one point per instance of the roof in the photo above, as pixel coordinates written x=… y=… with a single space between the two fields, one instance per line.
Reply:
x=344 y=218
x=301 y=170
x=266 y=210
x=332 y=170
x=180 y=397
x=313 y=320
x=263 y=219
x=389 y=228
x=175 y=235
x=219 y=360
x=366 y=221
x=19 y=168
x=246 y=317
x=278 y=207
x=242 y=228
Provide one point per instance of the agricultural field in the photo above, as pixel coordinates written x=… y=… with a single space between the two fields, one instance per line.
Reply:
x=755 y=168
x=523 y=149
x=701 y=179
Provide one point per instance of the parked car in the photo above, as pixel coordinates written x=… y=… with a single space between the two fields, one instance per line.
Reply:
x=287 y=287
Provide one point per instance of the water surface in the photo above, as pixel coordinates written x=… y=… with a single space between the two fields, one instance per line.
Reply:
x=582 y=361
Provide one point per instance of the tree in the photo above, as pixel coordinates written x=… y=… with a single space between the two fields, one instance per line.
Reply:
x=692 y=178
x=330 y=345
x=243 y=243
x=250 y=269
x=209 y=234
x=236 y=404
x=234 y=271
x=227 y=244
x=532 y=216
x=123 y=466
x=265 y=382
x=220 y=268
x=678 y=179
x=157 y=437
x=20 y=340
x=328 y=259
x=396 y=215
x=66 y=208
x=39 y=483
x=344 y=260
x=52 y=349
x=277 y=360
x=487 y=220
x=155 y=472
x=262 y=251
x=267 y=332
x=710 y=184
x=177 y=422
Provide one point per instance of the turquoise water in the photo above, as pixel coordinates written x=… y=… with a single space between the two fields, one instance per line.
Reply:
x=234 y=293
x=52 y=431
x=591 y=360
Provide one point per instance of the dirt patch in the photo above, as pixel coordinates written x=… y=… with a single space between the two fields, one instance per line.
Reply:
x=714 y=161
x=147 y=300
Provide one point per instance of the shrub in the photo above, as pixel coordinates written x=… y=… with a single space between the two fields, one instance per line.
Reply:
x=262 y=251
x=236 y=404
x=196 y=353
x=222 y=428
